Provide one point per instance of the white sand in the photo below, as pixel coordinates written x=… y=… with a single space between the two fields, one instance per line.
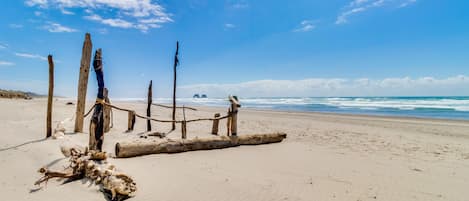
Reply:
x=325 y=157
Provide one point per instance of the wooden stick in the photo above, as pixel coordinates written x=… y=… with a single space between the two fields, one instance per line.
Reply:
x=107 y=112
x=176 y=61
x=177 y=107
x=228 y=122
x=131 y=121
x=50 y=97
x=83 y=82
x=132 y=148
x=234 y=114
x=98 y=116
x=215 y=124
x=183 y=124
x=150 y=100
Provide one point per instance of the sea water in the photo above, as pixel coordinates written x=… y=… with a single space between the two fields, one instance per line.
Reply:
x=427 y=107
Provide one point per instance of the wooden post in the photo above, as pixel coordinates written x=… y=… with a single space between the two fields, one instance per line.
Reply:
x=150 y=100
x=83 y=82
x=215 y=124
x=183 y=124
x=228 y=123
x=107 y=112
x=50 y=97
x=97 y=120
x=131 y=121
x=176 y=62
x=234 y=117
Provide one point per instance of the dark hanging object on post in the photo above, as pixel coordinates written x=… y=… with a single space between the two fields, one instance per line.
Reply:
x=97 y=120
x=176 y=62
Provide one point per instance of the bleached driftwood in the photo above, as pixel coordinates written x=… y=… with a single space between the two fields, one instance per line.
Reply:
x=84 y=164
x=131 y=149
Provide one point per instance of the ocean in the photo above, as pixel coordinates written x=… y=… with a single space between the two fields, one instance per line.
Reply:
x=426 y=107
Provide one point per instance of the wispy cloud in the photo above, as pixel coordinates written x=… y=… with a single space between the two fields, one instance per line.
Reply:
x=3 y=46
x=6 y=63
x=16 y=26
x=31 y=56
x=305 y=26
x=400 y=86
x=359 y=6
x=58 y=28
x=138 y=14
x=229 y=26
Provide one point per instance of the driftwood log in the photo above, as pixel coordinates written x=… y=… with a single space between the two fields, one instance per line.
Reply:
x=107 y=112
x=83 y=165
x=83 y=82
x=150 y=101
x=97 y=120
x=131 y=149
x=50 y=97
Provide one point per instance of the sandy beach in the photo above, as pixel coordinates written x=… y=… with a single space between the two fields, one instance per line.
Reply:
x=325 y=157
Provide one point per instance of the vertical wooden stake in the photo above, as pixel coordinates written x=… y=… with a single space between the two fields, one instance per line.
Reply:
x=50 y=96
x=107 y=112
x=150 y=101
x=183 y=124
x=215 y=124
x=176 y=62
x=83 y=83
x=234 y=114
x=131 y=121
x=228 y=123
x=97 y=120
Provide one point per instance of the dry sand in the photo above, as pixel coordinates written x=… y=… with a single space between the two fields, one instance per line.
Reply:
x=325 y=157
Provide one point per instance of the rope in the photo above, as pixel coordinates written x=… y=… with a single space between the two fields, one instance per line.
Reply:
x=165 y=106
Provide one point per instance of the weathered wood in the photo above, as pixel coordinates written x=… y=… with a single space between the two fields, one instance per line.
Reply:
x=183 y=124
x=131 y=149
x=150 y=101
x=83 y=82
x=234 y=114
x=131 y=121
x=82 y=164
x=176 y=62
x=215 y=124
x=228 y=122
x=50 y=97
x=107 y=112
x=97 y=120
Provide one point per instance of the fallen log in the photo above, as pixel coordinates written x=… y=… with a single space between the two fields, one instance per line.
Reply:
x=139 y=148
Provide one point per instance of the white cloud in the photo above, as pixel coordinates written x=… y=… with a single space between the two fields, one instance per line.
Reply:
x=305 y=26
x=138 y=14
x=359 y=6
x=37 y=13
x=66 y=12
x=58 y=28
x=16 y=26
x=6 y=63
x=229 y=26
x=31 y=56
x=3 y=46
x=401 y=86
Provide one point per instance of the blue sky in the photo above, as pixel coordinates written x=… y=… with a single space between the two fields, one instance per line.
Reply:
x=244 y=47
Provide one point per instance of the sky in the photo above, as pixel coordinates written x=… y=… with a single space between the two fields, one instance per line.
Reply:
x=249 y=48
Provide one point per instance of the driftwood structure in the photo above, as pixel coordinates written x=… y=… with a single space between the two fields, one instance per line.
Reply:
x=107 y=112
x=215 y=124
x=176 y=62
x=83 y=82
x=50 y=97
x=149 y=101
x=131 y=149
x=97 y=120
x=90 y=164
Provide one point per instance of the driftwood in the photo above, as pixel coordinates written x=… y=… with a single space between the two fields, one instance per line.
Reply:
x=107 y=112
x=83 y=165
x=131 y=149
x=176 y=62
x=97 y=120
x=215 y=124
x=150 y=101
x=83 y=82
x=50 y=97
x=234 y=114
